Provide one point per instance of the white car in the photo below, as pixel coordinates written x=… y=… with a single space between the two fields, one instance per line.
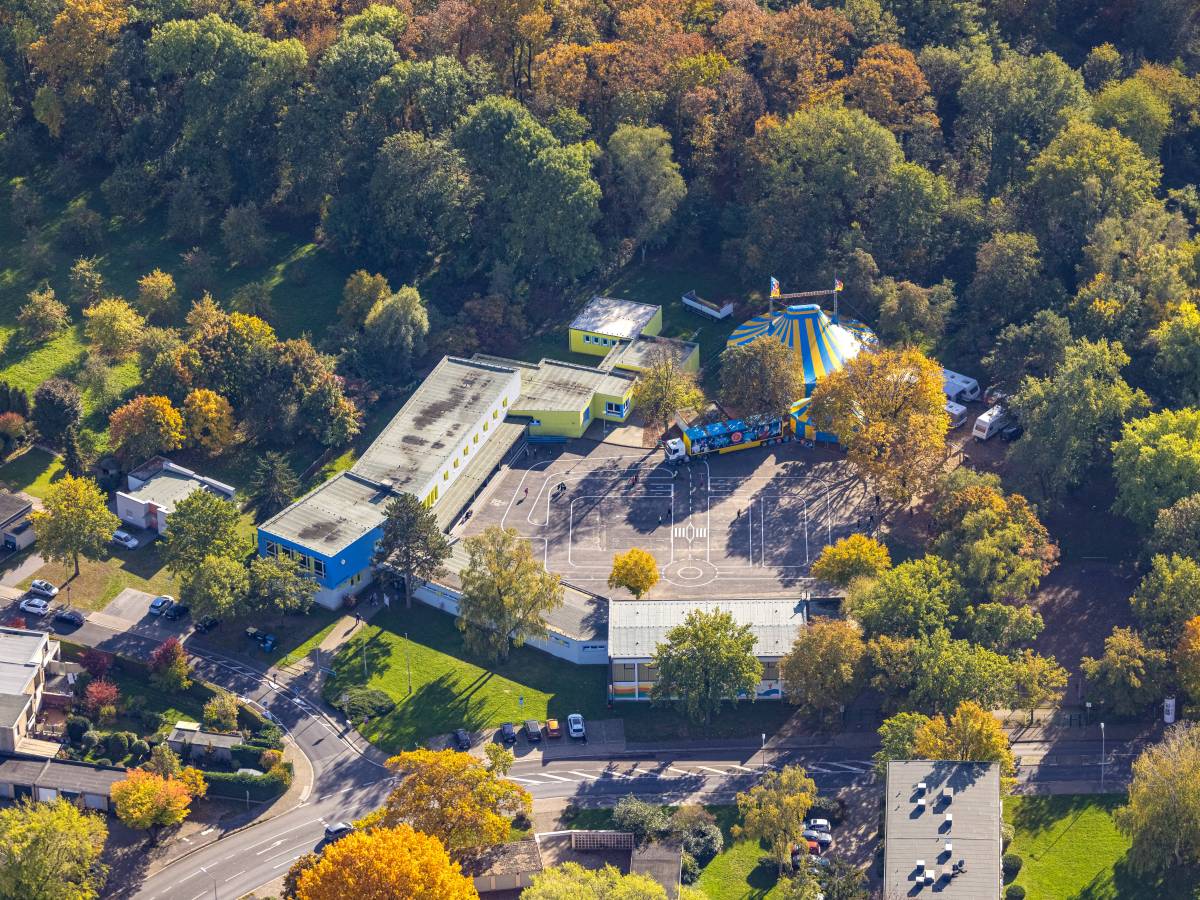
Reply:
x=36 y=606
x=39 y=587
x=124 y=539
x=819 y=825
x=575 y=727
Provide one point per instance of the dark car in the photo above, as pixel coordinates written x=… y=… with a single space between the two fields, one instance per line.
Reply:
x=207 y=624
x=69 y=617
x=335 y=831
x=264 y=640
x=533 y=730
x=462 y=740
x=508 y=733
x=1011 y=432
x=177 y=611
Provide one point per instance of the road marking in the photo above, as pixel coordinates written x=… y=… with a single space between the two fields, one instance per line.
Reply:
x=617 y=774
x=679 y=771
x=207 y=830
x=555 y=777
x=820 y=770
x=857 y=770
x=708 y=769
x=272 y=847
x=233 y=876
x=287 y=862
x=742 y=768
x=583 y=774
x=524 y=780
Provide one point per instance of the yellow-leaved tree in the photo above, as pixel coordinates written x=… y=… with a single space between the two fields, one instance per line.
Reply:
x=636 y=570
x=888 y=410
x=453 y=797
x=149 y=801
x=145 y=426
x=774 y=810
x=74 y=521
x=854 y=556
x=1187 y=658
x=971 y=733
x=209 y=420
x=385 y=862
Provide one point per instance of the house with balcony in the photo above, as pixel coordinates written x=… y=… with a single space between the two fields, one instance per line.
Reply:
x=35 y=684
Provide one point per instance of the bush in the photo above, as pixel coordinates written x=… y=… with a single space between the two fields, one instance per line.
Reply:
x=77 y=727
x=645 y=820
x=1011 y=865
x=689 y=871
x=234 y=785
x=90 y=739
x=704 y=841
x=830 y=808
x=102 y=761
x=117 y=745
x=270 y=738
x=139 y=750
x=363 y=703
x=1007 y=832
x=107 y=714
x=1014 y=892
x=96 y=662
x=270 y=759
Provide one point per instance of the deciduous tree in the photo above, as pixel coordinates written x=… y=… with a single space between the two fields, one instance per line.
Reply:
x=822 y=671
x=971 y=734
x=278 y=584
x=1001 y=626
x=359 y=296
x=244 y=234
x=169 y=666
x=760 y=378
x=1162 y=817
x=664 y=388
x=851 y=557
x=1168 y=595
x=394 y=332
x=42 y=316
x=914 y=599
x=413 y=546
x=898 y=735
x=888 y=409
x=506 y=593
x=1037 y=348
x=636 y=570
x=1177 y=351
x=1038 y=680
x=157 y=297
x=1177 y=528
x=208 y=418
x=1156 y=462
x=57 y=408
x=643 y=185
x=775 y=809
x=1187 y=658
x=216 y=587
x=571 y=881
x=144 y=427
x=202 y=525
x=704 y=663
x=74 y=521
x=113 y=326
x=146 y=800
x=452 y=797
x=221 y=711
x=1129 y=676
x=51 y=851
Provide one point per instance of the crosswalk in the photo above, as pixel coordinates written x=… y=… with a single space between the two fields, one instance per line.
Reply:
x=678 y=771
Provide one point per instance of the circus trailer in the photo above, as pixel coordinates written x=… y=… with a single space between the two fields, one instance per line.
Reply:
x=727 y=436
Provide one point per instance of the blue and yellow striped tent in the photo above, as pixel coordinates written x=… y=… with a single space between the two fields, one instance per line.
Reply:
x=820 y=345
x=803 y=427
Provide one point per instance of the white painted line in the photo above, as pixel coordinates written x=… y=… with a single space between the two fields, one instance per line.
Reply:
x=710 y=769
x=856 y=769
x=524 y=780
x=617 y=774
x=680 y=771
x=233 y=876
x=207 y=830
x=270 y=848
x=820 y=770
x=287 y=862
x=741 y=768
x=583 y=774
x=555 y=777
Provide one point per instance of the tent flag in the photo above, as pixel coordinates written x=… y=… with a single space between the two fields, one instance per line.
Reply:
x=837 y=285
x=774 y=287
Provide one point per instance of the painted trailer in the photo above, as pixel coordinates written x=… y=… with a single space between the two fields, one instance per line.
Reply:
x=725 y=437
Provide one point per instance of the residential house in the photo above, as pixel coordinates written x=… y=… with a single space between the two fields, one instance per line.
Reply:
x=154 y=489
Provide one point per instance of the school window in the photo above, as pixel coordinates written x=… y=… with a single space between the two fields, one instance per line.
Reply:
x=319 y=568
x=647 y=672
x=587 y=413
x=466 y=450
x=770 y=671
x=535 y=422
x=355 y=579
x=475 y=439
x=624 y=671
x=587 y=338
x=504 y=401
x=456 y=464
x=485 y=426
x=614 y=409
x=446 y=476
x=495 y=413
x=271 y=548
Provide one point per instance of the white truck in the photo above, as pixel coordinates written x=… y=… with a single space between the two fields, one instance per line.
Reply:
x=957 y=413
x=959 y=388
x=990 y=423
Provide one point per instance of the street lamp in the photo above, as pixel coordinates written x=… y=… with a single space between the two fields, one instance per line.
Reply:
x=764 y=751
x=1103 y=756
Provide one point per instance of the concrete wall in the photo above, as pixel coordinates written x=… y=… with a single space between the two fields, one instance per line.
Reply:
x=573 y=650
x=131 y=511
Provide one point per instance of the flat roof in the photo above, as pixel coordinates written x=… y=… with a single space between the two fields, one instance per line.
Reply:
x=614 y=317
x=513 y=858
x=21 y=646
x=203 y=738
x=64 y=775
x=645 y=349
x=332 y=516
x=637 y=627
x=413 y=446
x=554 y=386
x=165 y=488
x=915 y=833
x=11 y=707
x=13 y=505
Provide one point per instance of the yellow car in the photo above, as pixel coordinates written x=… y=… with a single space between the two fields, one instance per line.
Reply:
x=553 y=729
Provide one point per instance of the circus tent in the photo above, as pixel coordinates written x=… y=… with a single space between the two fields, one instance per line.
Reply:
x=820 y=345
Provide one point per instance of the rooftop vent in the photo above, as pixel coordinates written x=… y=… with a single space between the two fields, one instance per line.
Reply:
x=921 y=786
x=949 y=818
x=947 y=794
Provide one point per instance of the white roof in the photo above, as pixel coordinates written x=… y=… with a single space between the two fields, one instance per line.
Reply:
x=614 y=317
x=637 y=627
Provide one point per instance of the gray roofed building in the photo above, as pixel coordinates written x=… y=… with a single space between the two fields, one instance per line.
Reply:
x=156 y=487
x=332 y=516
x=614 y=317
x=637 y=627
x=942 y=829
x=12 y=507
x=46 y=779
x=12 y=708
x=644 y=350
x=415 y=444
x=553 y=385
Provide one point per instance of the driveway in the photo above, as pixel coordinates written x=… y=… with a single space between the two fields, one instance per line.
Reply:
x=130 y=611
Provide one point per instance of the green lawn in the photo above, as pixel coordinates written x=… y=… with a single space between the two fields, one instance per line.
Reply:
x=1073 y=851
x=32 y=472
x=101 y=580
x=296 y=634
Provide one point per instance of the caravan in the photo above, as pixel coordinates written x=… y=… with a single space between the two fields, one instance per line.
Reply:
x=990 y=423
x=957 y=413
x=959 y=388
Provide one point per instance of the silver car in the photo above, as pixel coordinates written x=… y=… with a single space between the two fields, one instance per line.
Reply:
x=40 y=587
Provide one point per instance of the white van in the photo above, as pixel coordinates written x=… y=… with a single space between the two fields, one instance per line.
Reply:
x=989 y=423
x=957 y=413
x=959 y=388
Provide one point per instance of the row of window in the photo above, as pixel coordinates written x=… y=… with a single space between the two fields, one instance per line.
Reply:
x=616 y=409
x=602 y=341
x=628 y=672
x=466 y=449
x=307 y=563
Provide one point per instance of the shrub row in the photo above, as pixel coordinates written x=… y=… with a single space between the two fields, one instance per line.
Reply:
x=235 y=785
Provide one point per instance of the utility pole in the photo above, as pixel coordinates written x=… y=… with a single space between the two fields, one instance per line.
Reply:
x=407 y=662
x=1102 y=757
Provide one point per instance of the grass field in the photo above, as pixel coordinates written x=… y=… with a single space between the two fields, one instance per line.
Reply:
x=32 y=472
x=1073 y=851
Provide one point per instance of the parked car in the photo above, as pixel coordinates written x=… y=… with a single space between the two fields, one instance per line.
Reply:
x=823 y=838
x=335 y=831
x=177 y=611
x=462 y=740
x=533 y=730
x=40 y=587
x=35 y=606
x=161 y=604
x=124 y=539
x=806 y=853
x=575 y=726
x=207 y=624
x=1011 y=432
x=553 y=729
x=266 y=641
x=508 y=733
x=819 y=825
x=69 y=617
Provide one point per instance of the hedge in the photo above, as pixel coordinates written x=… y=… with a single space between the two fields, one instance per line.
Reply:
x=1014 y=892
x=234 y=785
